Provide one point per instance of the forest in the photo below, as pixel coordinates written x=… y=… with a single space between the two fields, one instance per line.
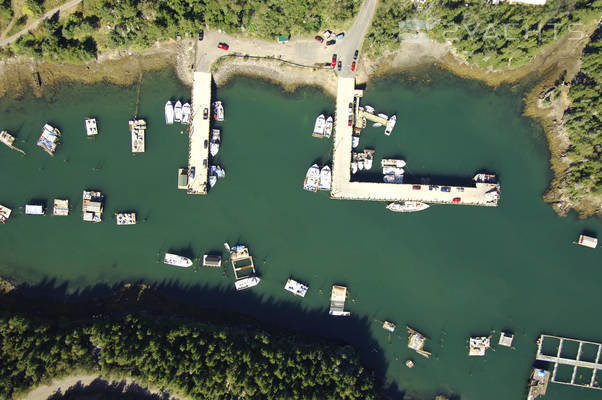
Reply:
x=140 y=23
x=583 y=122
x=196 y=360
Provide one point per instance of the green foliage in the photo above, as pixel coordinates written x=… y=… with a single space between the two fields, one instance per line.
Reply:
x=583 y=121
x=6 y=13
x=200 y=361
x=501 y=35
x=35 y=7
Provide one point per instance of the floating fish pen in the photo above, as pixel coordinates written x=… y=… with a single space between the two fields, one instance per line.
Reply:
x=49 y=139
x=126 y=218
x=587 y=241
x=416 y=342
x=9 y=141
x=91 y=127
x=34 y=209
x=242 y=262
x=60 y=208
x=92 y=207
x=506 y=339
x=212 y=261
x=337 y=301
x=4 y=214
x=389 y=326
x=478 y=345
x=138 y=129
x=296 y=288
x=538 y=383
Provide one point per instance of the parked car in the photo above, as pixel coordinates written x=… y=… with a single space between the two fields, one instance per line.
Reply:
x=319 y=39
x=341 y=35
x=334 y=60
x=205 y=144
x=416 y=187
x=433 y=187
x=353 y=66
x=192 y=172
x=445 y=189
x=350 y=121
x=201 y=35
x=456 y=200
x=330 y=42
x=339 y=66
x=205 y=113
x=357 y=52
x=223 y=46
x=327 y=34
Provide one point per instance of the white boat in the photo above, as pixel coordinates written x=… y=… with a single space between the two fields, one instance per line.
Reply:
x=392 y=162
x=353 y=167
x=385 y=116
x=218 y=111
x=328 y=127
x=4 y=213
x=407 y=206
x=369 y=109
x=212 y=180
x=215 y=142
x=186 y=114
x=485 y=178
x=169 y=113
x=246 y=283
x=355 y=141
x=368 y=161
x=393 y=178
x=390 y=125
x=177 y=110
x=319 y=126
x=176 y=260
x=296 y=288
x=377 y=125
x=49 y=139
x=360 y=164
x=389 y=170
x=126 y=218
x=325 y=178
x=91 y=127
x=312 y=178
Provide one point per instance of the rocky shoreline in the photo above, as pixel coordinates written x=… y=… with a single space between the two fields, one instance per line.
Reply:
x=18 y=76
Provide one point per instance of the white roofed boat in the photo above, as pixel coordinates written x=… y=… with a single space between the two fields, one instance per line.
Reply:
x=325 y=178
x=218 y=111
x=186 y=114
x=587 y=241
x=328 y=127
x=390 y=125
x=49 y=139
x=319 y=126
x=355 y=141
x=312 y=178
x=178 y=111
x=337 y=301
x=246 y=283
x=215 y=142
x=169 y=113
x=368 y=159
x=176 y=260
x=91 y=127
x=296 y=288
x=485 y=178
x=353 y=167
x=392 y=162
x=388 y=170
x=369 y=109
x=407 y=206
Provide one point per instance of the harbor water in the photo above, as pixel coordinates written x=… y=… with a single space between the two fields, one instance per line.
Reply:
x=449 y=272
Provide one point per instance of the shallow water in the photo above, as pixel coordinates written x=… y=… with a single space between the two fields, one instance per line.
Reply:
x=448 y=271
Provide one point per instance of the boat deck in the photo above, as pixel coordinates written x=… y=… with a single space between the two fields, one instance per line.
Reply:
x=198 y=155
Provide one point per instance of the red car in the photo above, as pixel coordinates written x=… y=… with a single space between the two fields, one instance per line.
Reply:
x=353 y=66
x=334 y=60
x=350 y=122
x=456 y=200
x=319 y=39
x=223 y=46
x=416 y=187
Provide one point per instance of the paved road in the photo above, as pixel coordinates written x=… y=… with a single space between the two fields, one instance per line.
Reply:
x=34 y=24
x=300 y=51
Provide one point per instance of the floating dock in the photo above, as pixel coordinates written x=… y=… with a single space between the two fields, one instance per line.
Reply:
x=125 y=218
x=60 y=208
x=337 y=301
x=138 y=131
x=92 y=207
x=343 y=188
x=198 y=153
x=182 y=179
x=91 y=127
x=576 y=363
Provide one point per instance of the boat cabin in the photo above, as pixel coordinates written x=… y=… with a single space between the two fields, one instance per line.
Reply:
x=506 y=339
x=587 y=241
x=34 y=209
x=60 y=208
x=337 y=301
x=478 y=345
x=212 y=261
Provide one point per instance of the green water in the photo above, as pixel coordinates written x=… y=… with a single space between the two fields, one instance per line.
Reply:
x=449 y=271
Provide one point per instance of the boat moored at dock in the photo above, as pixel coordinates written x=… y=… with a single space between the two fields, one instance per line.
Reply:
x=312 y=179
x=325 y=178
x=416 y=342
x=319 y=126
x=389 y=326
x=485 y=178
x=296 y=288
x=243 y=266
x=177 y=111
x=92 y=206
x=407 y=206
x=91 y=127
x=246 y=283
x=125 y=218
x=218 y=111
x=138 y=132
x=538 y=383
x=390 y=125
x=4 y=214
x=215 y=142
x=186 y=114
x=169 y=113
x=49 y=139
x=176 y=260
x=328 y=127
x=9 y=141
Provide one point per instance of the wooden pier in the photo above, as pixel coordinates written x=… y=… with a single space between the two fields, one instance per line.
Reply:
x=576 y=362
x=343 y=188
x=198 y=153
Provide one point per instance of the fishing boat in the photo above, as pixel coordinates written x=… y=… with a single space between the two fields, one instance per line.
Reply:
x=353 y=167
x=312 y=179
x=218 y=111
x=212 y=180
x=393 y=178
x=126 y=218
x=389 y=326
x=328 y=127
x=186 y=114
x=368 y=159
x=49 y=139
x=485 y=178
x=385 y=116
x=8 y=140
x=91 y=127
x=246 y=283
x=169 y=113
x=177 y=110
x=369 y=109
x=390 y=125
x=389 y=170
x=217 y=171
x=407 y=206
x=325 y=178
x=377 y=125
x=215 y=142
x=355 y=141
x=92 y=206
x=392 y=163
x=176 y=260
x=360 y=164
x=296 y=288
x=319 y=126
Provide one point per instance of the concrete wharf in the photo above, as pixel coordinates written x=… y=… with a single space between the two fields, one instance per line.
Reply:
x=575 y=362
x=198 y=153
x=343 y=188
